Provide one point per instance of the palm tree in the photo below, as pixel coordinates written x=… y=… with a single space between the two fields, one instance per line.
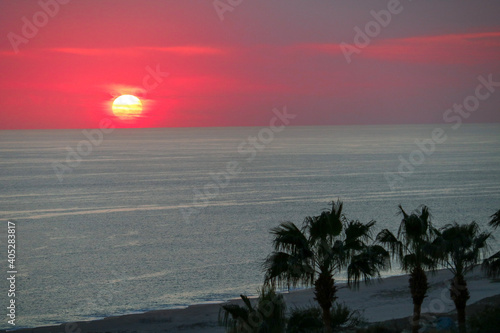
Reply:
x=412 y=249
x=492 y=264
x=325 y=245
x=267 y=317
x=460 y=248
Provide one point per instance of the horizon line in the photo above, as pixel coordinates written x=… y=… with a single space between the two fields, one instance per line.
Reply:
x=245 y=126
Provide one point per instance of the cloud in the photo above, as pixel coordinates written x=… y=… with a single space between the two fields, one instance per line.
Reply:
x=466 y=48
x=7 y=54
x=138 y=50
x=318 y=48
x=188 y=50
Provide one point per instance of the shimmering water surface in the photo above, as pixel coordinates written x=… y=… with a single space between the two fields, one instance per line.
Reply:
x=113 y=236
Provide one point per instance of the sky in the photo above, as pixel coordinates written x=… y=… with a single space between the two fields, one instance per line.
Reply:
x=198 y=63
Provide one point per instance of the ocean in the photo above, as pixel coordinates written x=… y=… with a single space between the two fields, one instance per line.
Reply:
x=142 y=219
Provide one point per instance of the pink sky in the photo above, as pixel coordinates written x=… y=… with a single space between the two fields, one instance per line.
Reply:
x=232 y=72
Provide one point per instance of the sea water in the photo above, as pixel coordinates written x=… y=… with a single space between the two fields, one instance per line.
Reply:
x=143 y=219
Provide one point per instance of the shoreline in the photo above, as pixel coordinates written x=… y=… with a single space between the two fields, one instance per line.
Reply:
x=381 y=301
x=340 y=283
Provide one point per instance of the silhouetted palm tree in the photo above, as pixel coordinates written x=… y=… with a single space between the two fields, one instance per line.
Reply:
x=325 y=245
x=412 y=248
x=267 y=317
x=492 y=264
x=460 y=248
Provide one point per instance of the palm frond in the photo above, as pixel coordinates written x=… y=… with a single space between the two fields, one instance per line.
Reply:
x=427 y=261
x=425 y=214
x=289 y=238
x=495 y=220
x=287 y=270
x=267 y=316
x=481 y=241
x=462 y=246
x=247 y=302
x=409 y=262
x=327 y=225
x=491 y=265
x=402 y=212
x=367 y=264
x=233 y=316
x=339 y=255
x=416 y=226
x=436 y=250
x=387 y=239
x=336 y=210
x=357 y=231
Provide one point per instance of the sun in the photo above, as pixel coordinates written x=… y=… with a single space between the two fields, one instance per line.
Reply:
x=127 y=107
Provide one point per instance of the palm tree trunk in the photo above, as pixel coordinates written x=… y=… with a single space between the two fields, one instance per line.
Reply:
x=418 y=288
x=460 y=294
x=324 y=292
x=327 y=321
x=415 y=324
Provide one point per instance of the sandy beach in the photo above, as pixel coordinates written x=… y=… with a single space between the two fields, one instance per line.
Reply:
x=380 y=301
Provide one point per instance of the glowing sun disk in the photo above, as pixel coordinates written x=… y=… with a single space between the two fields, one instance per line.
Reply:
x=127 y=107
